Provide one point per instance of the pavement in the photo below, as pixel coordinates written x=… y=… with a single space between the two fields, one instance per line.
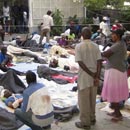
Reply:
x=103 y=121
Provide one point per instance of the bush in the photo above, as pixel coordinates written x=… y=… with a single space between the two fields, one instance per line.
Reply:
x=58 y=21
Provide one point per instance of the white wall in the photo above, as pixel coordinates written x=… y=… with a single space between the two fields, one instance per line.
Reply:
x=39 y=7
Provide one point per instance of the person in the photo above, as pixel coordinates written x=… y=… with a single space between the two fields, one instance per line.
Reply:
x=96 y=20
x=46 y=27
x=105 y=30
x=24 y=17
x=63 y=40
x=11 y=100
x=5 y=61
x=117 y=25
x=88 y=56
x=115 y=86
x=36 y=110
x=2 y=32
x=15 y=12
x=6 y=14
x=109 y=20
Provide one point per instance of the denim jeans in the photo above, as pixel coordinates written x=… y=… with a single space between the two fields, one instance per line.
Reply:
x=26 y=118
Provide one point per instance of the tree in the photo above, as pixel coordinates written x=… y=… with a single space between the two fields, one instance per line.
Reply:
x=58 y=21
x=95 y=4
x=101 y=4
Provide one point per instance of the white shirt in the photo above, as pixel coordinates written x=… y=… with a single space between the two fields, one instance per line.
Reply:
x=96 y=21
x=105 y=28
x=88 y=52
x=6 y=11
x=47 y=22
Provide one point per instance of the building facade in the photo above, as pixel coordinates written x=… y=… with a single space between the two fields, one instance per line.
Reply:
x=68 y=8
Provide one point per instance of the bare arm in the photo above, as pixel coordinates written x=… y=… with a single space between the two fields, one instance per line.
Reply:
x=84 y=67
x=107 y=53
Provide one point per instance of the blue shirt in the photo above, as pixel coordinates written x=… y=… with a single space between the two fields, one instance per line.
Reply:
x=2 y=57
x=12 y=99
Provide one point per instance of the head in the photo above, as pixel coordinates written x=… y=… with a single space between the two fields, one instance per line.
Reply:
x=104 y=19
x=49 y=12
x=95 y=15
x=117 y=22
x=86 y=33
x=30 y=77
x=117 y=35
x=6 y=93
x=4 y=50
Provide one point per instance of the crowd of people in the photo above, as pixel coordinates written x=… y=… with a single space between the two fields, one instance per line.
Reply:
x=14 y=18
x=39 y=115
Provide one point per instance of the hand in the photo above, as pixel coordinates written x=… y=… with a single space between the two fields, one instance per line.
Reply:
x=96 y=82
x=93 y=74
x=20 y=100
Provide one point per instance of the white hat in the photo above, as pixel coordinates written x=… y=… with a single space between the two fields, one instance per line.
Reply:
x=104 y=18
x=18 y=37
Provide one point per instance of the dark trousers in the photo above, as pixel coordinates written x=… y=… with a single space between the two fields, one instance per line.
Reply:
x=26 y=118
x=5 y=69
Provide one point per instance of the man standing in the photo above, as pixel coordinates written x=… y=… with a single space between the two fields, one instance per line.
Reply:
x=88 y=56
x=105 y=30
x=46 y=27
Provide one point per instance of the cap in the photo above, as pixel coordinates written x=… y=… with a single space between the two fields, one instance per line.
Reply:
x=118 y=32
x=18 y=37
x=104 y=18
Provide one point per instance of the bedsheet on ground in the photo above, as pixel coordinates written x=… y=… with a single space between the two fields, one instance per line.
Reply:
x=23 y=67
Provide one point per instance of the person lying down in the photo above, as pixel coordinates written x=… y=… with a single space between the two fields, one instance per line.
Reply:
x=10 y=99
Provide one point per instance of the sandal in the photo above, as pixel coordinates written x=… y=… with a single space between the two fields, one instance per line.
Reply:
x=111 y=113
x=116 y=119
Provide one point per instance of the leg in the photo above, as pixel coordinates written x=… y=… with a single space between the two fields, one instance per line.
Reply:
x=117 y=110
x=93 y=93
x=84 y=106
x=117 y=116
x=41 y=37
x=26 y=118
x=47 y=35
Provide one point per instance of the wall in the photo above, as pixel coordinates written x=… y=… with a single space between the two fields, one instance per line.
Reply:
x=39 y=7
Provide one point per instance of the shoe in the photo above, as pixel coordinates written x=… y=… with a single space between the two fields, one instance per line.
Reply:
x=93 y=122
x=80 y=125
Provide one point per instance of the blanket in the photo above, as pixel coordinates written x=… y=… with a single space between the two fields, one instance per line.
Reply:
x=12 y=82
x=8 y=120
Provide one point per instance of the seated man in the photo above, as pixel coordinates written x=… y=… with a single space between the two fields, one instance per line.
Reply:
x=36 y=110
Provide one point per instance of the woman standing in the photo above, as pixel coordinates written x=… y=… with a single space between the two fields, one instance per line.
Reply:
x=115 y=87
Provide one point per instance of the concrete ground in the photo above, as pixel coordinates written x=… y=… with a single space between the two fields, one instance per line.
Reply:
x=103 y=121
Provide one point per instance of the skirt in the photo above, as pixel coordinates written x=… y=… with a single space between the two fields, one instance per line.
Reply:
x=115 y=86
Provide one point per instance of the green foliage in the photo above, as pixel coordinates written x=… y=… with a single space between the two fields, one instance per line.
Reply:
x=117 y=4
x=95 y=4
x=72 y=19
x=126 y=15
x=58 y=17
x=58 y=21
x=87 y=21
x=100 y=4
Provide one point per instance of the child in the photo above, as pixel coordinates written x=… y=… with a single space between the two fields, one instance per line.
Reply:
x=11 y=100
